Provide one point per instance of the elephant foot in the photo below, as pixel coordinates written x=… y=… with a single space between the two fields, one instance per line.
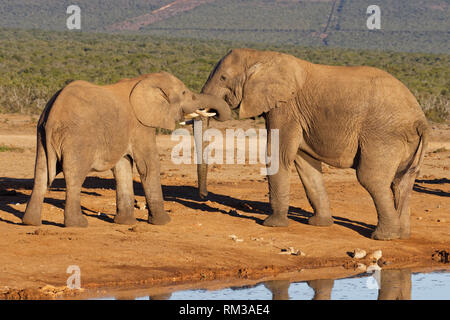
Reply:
x=320 y=221
x=276 y=221
x=203 y=195
x=159 y=219
x=125 y=219
x=385 y=235
x=78 y=221
x=405 y=234
x=31 y=220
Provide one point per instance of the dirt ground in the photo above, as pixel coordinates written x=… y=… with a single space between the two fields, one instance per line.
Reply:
x=207 y=241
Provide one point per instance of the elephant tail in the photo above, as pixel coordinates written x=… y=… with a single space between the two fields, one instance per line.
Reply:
x=52 y=161
x=404 y=182
x=46 y=157
x=423 y=132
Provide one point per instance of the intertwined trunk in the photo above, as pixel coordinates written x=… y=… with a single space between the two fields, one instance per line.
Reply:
x=223 y=113
x=202 y=168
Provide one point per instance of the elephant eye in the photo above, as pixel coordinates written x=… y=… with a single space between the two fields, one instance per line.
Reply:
x=183 y=93
x=223 y=78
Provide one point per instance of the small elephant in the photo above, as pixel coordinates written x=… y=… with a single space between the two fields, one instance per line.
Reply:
x=348 y=117
x=86 y=127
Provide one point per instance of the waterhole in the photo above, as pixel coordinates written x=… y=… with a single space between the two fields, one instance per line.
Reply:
x=397 y=284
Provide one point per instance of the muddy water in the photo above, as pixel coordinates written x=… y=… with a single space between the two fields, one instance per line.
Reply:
x=400 y=284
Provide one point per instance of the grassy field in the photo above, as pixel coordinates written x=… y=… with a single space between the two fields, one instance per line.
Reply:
x=35 y=64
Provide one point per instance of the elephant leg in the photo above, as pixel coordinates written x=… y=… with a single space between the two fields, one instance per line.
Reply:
x=322 y=288
x=75 y=169
x=395 y=285
x=279 y=189
x=376 y=174
x=279 y=289
x=32 y=214
x=402 y=188
x=310 y=172
x=123 y=173
x=148 y=166
x=279 y=183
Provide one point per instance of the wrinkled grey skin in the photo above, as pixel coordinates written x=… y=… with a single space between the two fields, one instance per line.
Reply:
x=347 y=117
x=87 y=128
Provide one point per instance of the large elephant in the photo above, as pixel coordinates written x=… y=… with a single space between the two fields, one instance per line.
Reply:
x=86 y=127
x=347 y=117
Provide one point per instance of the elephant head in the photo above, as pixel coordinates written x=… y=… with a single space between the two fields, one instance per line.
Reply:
x=255 y=81
x=155 y=97
x=160 y=100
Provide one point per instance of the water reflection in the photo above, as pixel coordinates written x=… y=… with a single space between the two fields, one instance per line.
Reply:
x=395 y=284
x=392 y=285
x=322 y=288
x=279 y=289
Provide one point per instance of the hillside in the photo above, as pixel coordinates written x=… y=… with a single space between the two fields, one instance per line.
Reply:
x=413 y=25
x=51 y=14
x=406 y=25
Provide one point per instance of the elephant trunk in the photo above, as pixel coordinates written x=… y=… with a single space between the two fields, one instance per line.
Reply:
x=214 y=104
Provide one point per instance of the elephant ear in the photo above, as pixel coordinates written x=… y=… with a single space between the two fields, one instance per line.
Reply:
x=269 y=85
x=152 y=107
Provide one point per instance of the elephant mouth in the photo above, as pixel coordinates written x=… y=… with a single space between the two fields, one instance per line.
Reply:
x=238 y=105
x=232 y=102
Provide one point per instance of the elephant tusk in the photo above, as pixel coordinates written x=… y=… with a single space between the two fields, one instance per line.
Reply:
x=192 y=115
x=196 y=114
x=205 y=114
x=184 y=123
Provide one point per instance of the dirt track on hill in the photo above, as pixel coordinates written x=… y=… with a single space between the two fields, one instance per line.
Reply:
x=203 y=240
x=172 y=9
